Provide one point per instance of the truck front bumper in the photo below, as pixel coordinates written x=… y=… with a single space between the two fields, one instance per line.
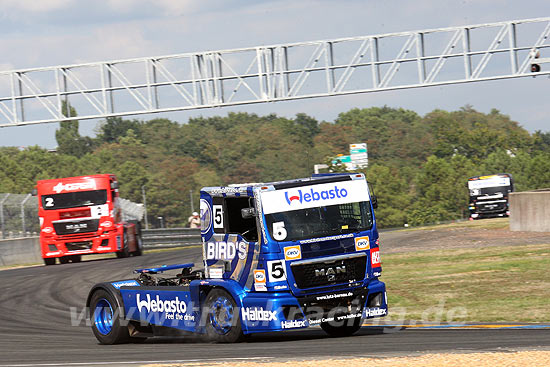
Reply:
x=263 y=312
x=58 y=246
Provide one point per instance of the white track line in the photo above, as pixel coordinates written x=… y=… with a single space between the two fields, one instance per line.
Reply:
x=132 y=362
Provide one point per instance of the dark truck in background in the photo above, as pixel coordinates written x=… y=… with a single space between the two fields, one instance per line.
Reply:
x=489 y=195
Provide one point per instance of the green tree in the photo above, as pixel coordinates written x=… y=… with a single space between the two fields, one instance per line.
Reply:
x=114 y=128
x=68 y=138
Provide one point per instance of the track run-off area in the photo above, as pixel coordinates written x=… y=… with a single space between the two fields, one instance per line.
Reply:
x=42 y=320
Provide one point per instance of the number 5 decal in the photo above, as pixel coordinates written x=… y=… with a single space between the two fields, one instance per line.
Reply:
x=218 y=216
x=279 y=231
x=276 y=270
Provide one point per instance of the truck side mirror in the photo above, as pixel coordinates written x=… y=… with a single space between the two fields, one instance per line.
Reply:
x=374 y=200
x=247 y=213
x=34 y=192
x=114 y=185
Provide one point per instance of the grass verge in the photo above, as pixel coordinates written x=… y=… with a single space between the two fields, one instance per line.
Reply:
x=493 y=284
x=492 y=223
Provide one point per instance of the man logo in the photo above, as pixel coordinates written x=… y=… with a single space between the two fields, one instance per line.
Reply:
x=330 y=273
x=362 y=243
x=293 y=252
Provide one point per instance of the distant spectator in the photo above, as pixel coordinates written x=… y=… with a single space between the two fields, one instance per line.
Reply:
x=194 y=220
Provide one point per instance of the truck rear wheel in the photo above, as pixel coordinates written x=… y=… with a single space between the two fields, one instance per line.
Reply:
x=64 y=260
x=223 y=323
x=125 y=251
x=346 y=329
x=139 y=240
x=106 y=319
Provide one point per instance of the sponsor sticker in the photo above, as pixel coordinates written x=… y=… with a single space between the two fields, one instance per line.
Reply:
x=258 y=314
x=375 y=258
x=333 y=296
x=260 y=280
x=87 y=185
x=373 y=312
x=362 y=243
x=215 y=273
x=222 y=250
x=206 y=216
x=173 y=309
x=312 y=196
x=125 y=283
x=293 y=252
x=292 y=324
x=259 y=276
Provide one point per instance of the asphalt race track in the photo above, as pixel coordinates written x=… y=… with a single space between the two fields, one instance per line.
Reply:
x=35 y=325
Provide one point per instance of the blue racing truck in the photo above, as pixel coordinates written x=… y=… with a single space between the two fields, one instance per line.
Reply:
x=277 y=256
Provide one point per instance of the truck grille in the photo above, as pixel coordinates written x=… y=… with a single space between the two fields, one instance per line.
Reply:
x=329 y=271
x=491 y=207
x=75 y=246
x=77 y=226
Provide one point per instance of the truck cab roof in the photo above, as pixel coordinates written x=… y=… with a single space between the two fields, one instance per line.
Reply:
x=246 y=189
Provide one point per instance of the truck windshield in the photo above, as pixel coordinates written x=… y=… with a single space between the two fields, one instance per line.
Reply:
x=490 y=191
x=320 y=221
x=74 y=199
x=490 y=186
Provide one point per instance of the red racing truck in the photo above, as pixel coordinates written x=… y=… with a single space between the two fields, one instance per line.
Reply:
x=83 y=215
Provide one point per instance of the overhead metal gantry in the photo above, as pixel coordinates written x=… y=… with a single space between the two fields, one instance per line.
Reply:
x=275 y=73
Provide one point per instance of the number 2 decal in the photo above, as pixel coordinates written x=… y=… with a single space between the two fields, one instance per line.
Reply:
x=276 y=270
x=218 y=216
x=49 y=201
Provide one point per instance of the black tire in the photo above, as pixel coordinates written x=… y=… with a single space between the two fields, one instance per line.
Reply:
x=342 y=328
x=223 y=321
x=76 y=258
x=107 y=322
x=125 y=251
x=64 y=260
x=49 y=261
x=139 y=245
x=139 y=241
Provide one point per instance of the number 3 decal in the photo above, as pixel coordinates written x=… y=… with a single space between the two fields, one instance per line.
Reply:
x=279 y=231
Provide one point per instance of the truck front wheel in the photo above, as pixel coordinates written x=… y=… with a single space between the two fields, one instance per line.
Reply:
x=106 y=319
x=223 y=323
x=49 y=261
x=346 y=329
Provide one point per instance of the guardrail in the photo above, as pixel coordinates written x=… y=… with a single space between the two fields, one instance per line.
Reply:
x=170 y=237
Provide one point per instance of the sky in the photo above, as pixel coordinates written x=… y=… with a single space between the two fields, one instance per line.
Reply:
x=59 y=32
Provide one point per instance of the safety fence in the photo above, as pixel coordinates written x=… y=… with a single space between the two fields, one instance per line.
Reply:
x=18 y=216
x=170 y=237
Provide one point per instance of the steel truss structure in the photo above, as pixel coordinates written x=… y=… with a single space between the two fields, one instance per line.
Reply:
x=275 y=73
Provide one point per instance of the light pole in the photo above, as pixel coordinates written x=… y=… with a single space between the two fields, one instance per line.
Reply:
x=144 y=206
